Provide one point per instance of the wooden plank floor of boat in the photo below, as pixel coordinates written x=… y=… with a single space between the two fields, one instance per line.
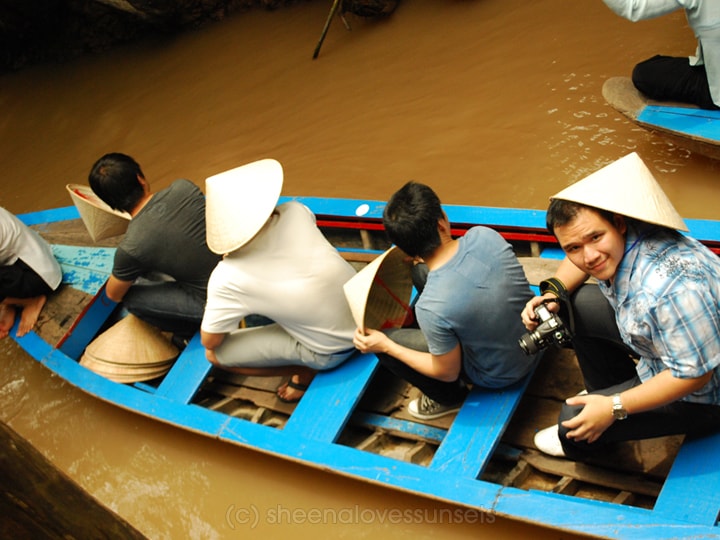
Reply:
x=631 y=473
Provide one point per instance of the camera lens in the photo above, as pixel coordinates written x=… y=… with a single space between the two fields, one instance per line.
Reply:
x=527 y=344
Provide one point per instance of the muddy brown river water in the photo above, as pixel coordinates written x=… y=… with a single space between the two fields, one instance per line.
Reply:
x=492 y=102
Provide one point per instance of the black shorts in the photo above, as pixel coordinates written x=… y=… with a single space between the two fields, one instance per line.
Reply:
x=20 y=281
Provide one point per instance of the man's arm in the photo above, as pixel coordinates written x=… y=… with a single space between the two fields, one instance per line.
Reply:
x=211 y=341
x=637 y=10
x=445 y=367
x=657 y=391
x=570 y=276
x=117 y=288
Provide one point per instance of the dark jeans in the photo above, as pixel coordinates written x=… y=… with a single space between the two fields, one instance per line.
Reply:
x=169 y=305
x=447 y=393
x=668 y=78
x=608 y=368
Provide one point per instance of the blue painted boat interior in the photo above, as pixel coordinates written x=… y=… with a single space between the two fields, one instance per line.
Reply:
x=687 y=506
x=694 y=122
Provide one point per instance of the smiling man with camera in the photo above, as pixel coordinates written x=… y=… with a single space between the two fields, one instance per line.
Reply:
x=647 y=336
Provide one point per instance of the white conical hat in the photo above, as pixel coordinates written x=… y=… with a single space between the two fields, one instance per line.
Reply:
x=239 y=202
x=100 y=220
x=379 y=294
x=626 y=187
x=132 y=342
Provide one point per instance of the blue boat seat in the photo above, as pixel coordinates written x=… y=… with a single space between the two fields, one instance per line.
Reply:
x=695 y=470
x=476 y=430
x=187 y=374
x=324 y=410
x=465 y=449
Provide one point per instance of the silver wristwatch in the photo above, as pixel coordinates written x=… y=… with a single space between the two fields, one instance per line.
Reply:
x=619 y=412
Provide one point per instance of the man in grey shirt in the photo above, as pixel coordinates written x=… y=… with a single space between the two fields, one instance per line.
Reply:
x=163 y=264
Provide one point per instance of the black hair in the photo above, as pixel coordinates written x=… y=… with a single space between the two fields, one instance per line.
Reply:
x=114 y=178
x=411 y=219
x=561 y=212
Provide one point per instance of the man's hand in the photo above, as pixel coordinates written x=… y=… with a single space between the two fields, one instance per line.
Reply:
x=528 y=313
x=371 y=341
x=593 y=420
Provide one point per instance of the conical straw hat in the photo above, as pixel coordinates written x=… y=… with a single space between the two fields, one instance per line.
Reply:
x=100 y=220
x=626 y=187
x=379 y=294
x=132 y=342
x=121 y=374
x=112 y=365
x=239 y=202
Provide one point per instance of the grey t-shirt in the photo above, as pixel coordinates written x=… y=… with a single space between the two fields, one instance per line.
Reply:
x=168 y=236
x=476 y=299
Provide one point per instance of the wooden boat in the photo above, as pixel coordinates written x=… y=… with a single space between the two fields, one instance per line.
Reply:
x=353 y=420
x=686 y=126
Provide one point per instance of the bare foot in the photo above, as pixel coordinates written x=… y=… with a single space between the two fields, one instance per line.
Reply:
x=7 y=319
x=30 y=313
x=292 y=390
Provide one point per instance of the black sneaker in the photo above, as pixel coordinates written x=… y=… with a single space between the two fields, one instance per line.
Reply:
x=424 y=408
x=179 y=342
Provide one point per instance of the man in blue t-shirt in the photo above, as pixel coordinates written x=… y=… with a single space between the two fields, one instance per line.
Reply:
x=471 y=290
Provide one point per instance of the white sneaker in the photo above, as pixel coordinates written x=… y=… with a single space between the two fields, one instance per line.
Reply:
x=548 y=441
x=425 y=408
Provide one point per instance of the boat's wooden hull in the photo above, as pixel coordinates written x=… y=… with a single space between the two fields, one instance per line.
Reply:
x=352 y=421
x=685 y=126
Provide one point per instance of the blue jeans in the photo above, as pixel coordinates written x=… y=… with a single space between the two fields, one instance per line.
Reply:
x=169 y=305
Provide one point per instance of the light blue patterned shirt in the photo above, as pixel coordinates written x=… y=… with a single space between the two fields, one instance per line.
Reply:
x=666 y=296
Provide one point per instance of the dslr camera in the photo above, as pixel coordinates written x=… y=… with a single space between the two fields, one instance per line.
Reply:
x=550 y=330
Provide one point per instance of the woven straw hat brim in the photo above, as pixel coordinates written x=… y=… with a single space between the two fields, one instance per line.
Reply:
x=379 y=294
x=239 y=202
x=100 y=220
x=129 y=375
x=132 y=341
x=626 y=187
x=106 y=368
x=121 y=367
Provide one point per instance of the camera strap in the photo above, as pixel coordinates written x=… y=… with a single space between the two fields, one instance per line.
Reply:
x=562 y=296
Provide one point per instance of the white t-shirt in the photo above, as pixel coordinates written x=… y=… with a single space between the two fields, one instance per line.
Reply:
x=17 y=241
x=289 y=273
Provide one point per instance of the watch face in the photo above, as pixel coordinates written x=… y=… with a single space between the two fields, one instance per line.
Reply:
x=618 y=411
